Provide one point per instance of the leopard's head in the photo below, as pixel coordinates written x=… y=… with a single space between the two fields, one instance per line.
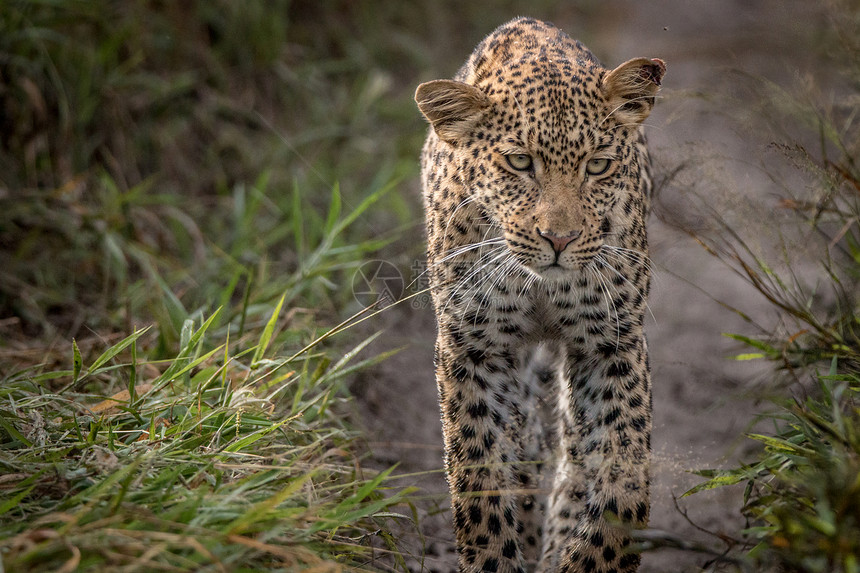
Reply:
x=546 y=146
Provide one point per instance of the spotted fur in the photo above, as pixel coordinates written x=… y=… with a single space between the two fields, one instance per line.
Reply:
x=536 y=186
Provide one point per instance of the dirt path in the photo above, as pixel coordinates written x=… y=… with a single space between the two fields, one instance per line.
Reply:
x=698 y=410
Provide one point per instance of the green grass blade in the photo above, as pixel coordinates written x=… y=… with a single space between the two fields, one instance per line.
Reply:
x=77 y=361
x=364 y=206
x=334 y=209
x=111 y=352
x=28 y=485
x=266 y=336
x=186 y=333
x=720 y=479
x=92 y=493
x=13 y=431
x=260 y=509
x=243 y=443
x=297 y=219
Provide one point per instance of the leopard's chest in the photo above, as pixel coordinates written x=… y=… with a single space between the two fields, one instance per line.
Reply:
x=586 y=310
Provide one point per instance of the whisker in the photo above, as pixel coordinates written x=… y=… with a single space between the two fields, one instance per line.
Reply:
x=498 y=269
x=502 y=271
x=477 y=267
x=607 y=265
x=470 y=247
x=465 y=201
x=622 y=254
x=457 y=251
x=610 y=301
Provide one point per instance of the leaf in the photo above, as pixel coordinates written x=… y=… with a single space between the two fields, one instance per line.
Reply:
x=320 y=370
x=52 y=376
x=246 y=441
x=351 y=354
x=369 y=487
x=176 y=311
x=351 y=508
x=364 y=205
x=748 y=356
x=13 y=431
x=764 y=347
x=782 y=446
x=367 y=362
x=77 y=361
x=174 y=371
x=92 y=493
x=297 y=222
x=176 y=367
x=720 y=478
x=119 y=399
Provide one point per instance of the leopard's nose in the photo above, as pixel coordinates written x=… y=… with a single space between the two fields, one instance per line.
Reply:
x=559 y=242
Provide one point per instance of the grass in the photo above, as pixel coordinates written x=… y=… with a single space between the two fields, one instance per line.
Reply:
x=802 y=493
x=229 y=453
x=217 y=459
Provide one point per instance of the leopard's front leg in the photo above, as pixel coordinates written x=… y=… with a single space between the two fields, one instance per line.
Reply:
x=601 y=487
x=479 y=418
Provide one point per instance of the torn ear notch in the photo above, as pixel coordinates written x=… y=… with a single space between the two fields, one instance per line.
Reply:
x=630 y=88
x=451 y=107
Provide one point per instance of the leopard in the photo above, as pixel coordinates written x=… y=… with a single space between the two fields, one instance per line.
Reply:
x=536 y=185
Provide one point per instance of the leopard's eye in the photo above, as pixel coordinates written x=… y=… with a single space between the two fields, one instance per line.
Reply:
x=597 y=166
x=519 y=161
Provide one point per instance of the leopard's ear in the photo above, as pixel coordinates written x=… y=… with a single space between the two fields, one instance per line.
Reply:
x=451 y=107
x=630 y=88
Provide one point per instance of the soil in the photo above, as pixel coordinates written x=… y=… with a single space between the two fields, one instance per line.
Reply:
x=702 y=404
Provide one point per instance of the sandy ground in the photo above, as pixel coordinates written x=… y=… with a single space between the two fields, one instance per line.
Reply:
x=699 y=405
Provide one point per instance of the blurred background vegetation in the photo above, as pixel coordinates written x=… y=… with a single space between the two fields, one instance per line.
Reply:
x=156 y=154
x=163 y=160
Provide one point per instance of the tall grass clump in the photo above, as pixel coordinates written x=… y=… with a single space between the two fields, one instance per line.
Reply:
x=801 y=493
x=222 y=458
